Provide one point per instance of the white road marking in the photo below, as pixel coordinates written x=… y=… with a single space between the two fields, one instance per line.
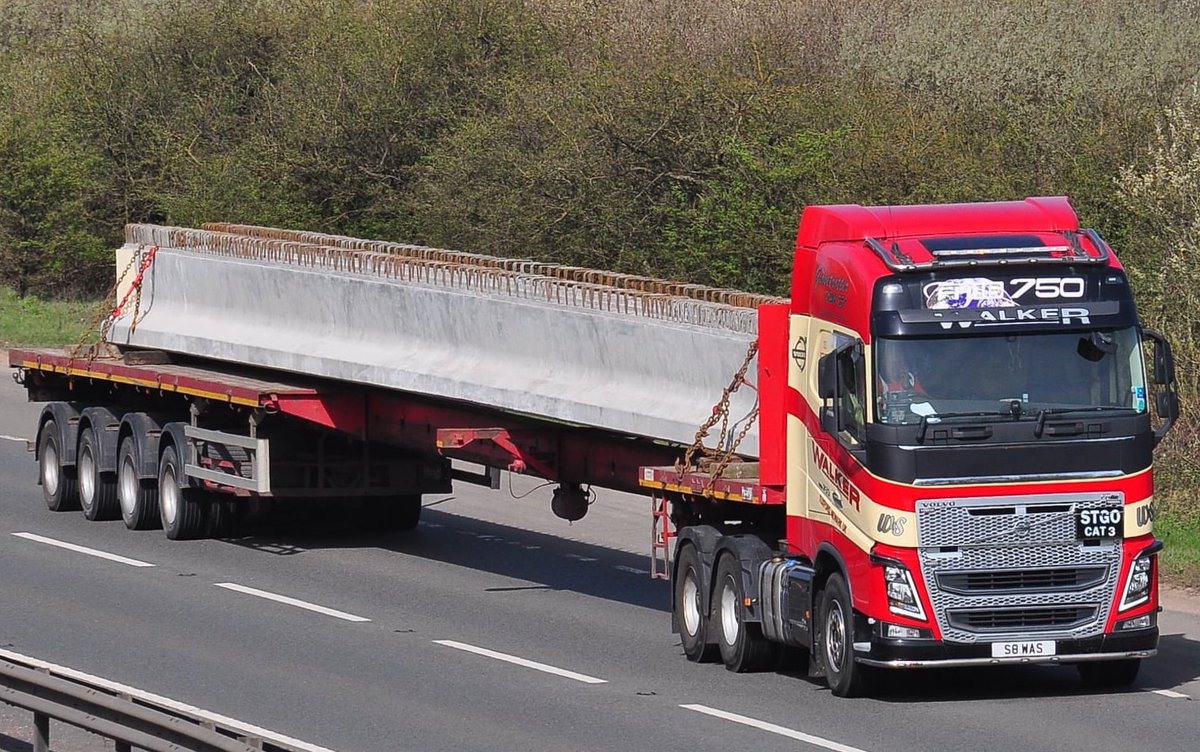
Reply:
x=21 y=439
x=1170 y=693
x=771 y=727
x=83 y=550
x=291 y=601
x=632 y=570
x=522 y=662
x=165 y=702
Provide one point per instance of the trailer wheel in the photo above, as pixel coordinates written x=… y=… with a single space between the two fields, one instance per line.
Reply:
x=60 y=487
x=97 y=491
x=181 y=508
x=743 y=647
x=846 y=678
x=690 y=614
x=1109 y=673
x=138 y=498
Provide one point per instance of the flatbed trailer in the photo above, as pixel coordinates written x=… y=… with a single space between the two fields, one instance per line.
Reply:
x=239 y=431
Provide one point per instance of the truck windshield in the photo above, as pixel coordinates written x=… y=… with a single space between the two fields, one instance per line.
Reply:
x=1058 y=372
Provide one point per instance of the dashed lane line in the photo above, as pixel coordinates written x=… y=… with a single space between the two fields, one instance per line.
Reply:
x=1171 y=693
x=6 y=437
x=545 y=668
x=83 y=550
x=291 y=601
x=772 y=728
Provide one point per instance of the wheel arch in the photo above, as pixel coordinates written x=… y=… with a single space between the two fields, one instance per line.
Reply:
x=146 y=432
x=105 y=425
x=66 y=419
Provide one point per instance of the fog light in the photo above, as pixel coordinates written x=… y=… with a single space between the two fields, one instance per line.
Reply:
x=1138 y=622
x=897 y=632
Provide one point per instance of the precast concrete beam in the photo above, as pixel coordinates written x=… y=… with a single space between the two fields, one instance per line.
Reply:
x=628 y=373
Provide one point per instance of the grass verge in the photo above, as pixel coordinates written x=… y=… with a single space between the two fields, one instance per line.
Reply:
x=1179 y=563
x=35 y=322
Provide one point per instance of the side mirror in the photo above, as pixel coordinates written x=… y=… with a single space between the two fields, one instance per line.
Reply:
x=1166 y=402
x=827 y=375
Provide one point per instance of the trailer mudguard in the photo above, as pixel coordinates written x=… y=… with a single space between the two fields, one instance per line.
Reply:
x=107 y=427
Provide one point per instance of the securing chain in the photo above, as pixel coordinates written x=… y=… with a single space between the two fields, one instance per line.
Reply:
x=110 y=310
x=718 y=458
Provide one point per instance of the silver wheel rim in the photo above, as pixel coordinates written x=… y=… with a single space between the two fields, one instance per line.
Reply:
x=168 y=495
x=729 y=614
x=835 y=636
x=50 y=468
x=127 y=486
x=87 y=475
x=691 y=603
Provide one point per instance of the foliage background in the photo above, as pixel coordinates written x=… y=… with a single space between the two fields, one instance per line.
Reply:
x=676 y=139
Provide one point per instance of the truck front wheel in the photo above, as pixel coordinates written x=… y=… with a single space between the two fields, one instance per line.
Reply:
x=743 y=647
x=690 y=613
x=846 y=678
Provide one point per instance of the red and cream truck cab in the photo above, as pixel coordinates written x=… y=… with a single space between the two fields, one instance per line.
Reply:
x=956 y=438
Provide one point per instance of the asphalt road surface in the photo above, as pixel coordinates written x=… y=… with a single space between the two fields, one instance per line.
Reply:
x=494 y=626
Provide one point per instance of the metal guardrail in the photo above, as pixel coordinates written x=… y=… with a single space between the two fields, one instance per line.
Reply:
x=132 y=719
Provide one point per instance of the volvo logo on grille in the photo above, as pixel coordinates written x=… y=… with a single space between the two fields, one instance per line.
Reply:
x=1021 y=528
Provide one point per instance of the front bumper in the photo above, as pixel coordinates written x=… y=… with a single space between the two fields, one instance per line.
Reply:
x=934 y=653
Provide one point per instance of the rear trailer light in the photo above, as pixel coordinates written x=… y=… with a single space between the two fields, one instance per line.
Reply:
x=901 y=592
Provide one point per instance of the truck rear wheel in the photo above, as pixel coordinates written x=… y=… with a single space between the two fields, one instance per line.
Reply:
x=60 y=487
x=743 y=647
x=97 y=491
x=181 y=508
x=846 y=678
x=138 y=498
x=690 y=613
x=1109 y=673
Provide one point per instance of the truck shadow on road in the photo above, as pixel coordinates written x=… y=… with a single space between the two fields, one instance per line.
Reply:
x=1177 y=664
x=544 y=562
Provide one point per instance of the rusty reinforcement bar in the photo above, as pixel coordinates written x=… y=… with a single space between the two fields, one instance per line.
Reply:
x=131 y=721
x=570 y=286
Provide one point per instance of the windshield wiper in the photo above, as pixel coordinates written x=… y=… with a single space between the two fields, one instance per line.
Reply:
x=1048 y=411
x=940 y=417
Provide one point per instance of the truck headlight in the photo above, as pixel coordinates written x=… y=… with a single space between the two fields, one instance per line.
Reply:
x=1137 y=584
x=902 y=592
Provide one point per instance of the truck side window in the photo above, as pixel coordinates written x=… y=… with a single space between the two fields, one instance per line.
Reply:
x=852 y=396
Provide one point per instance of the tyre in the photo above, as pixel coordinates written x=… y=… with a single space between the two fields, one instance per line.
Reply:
x=137 y=498
x=97 y=491
x=182 y=509
x=690 y=613
x=59 y=485
x=1109 y=673
x=846 y=678
x=221 y=511
x=743 y=647
x=394 y=513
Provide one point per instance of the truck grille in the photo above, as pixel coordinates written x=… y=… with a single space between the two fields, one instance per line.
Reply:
x=1021 y=619
x=1009 y=566
x=1022 y=580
